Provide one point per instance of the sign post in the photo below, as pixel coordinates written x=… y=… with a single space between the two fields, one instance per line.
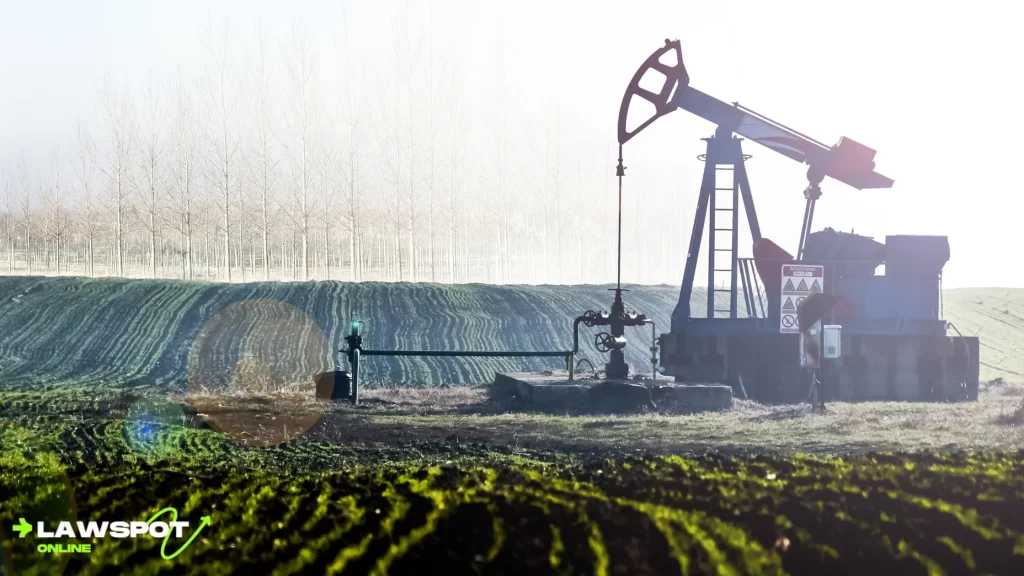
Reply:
x=798 y=282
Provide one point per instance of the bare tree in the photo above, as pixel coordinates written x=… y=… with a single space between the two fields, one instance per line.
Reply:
x=242 y=212
x=87 y=201
x=579 y=215
x=301 y=67
x=390 y=141
x=116 y=166
x=184 y=172
x=352 y=208
x=151 y=148
x=221 y=104
x=431 y=103
x=9 y=220
x=265 y=160
x=498 y=184
x=353 y=203
x=327 y=157
x=27 y=208
x=350 y=169
x=407 y=54
x=55 y=215
x=554 y=173
x=454 y=170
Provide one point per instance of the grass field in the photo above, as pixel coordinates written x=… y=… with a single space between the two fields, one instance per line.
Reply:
x=98 y=422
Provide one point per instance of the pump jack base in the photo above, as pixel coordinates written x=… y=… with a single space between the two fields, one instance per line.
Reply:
x=557 y=394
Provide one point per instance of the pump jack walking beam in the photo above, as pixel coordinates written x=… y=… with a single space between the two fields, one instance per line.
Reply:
x=848 y=162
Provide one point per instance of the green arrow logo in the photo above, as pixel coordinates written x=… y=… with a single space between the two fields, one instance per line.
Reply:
x=22 y=527
x=203 y=523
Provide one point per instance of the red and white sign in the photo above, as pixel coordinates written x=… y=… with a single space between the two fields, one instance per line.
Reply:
x=798 y=282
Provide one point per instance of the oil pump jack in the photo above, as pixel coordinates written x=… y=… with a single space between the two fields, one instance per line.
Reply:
x=894 y=342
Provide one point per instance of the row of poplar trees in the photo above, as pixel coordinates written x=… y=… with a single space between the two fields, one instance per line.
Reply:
x=243 y=170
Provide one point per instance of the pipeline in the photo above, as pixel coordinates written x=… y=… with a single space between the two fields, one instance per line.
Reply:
x=355 y=351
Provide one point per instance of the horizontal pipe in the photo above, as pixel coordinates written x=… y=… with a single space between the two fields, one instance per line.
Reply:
x=485 y=353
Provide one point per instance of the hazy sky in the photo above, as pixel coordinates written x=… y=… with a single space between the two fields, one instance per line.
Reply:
x=935 y=90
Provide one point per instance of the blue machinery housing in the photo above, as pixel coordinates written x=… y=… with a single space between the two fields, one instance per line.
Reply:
x=894 y=342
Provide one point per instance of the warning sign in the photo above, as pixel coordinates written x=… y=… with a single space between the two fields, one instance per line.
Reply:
x=798 y=282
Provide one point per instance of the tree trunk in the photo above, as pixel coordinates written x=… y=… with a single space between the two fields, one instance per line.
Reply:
x=252 y=255
x=188 y=245
x=266 y=247
x=28 y=244
x=181 y=253
x=283 y=271
x=227 y=246
x=90 y=258
x=305 y=252
x=241 y=251
x=206 y=255
x=430 y=221
x=327 y=251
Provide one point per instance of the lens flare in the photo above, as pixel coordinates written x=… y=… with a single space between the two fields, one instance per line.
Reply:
x=153 y=426
x=252 y=370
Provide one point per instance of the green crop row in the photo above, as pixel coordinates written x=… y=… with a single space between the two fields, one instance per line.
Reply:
x=306 y=507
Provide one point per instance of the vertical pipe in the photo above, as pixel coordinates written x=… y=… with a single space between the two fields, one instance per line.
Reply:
x=355 y=376
x=654 y=351
x=620 y=171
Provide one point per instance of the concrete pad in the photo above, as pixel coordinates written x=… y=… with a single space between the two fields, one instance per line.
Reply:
x=557 y=393
x=556 y=396
x=505 y=387
x=620 y=398
x=693 y=397
x=539 y=390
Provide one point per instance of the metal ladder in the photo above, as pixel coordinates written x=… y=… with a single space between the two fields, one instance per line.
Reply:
x=717 y=284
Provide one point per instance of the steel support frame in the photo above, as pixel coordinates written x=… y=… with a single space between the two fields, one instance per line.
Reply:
x=722 y=149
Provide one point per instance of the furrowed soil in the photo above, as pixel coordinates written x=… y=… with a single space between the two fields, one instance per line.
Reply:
x=406 y=495
x=101 y=420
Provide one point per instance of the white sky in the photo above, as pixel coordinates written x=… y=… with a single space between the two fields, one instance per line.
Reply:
x=935 y=88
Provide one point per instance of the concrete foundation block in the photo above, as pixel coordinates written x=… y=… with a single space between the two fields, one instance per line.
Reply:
x=558 y=394
x=693 y=397
x=620 y=398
